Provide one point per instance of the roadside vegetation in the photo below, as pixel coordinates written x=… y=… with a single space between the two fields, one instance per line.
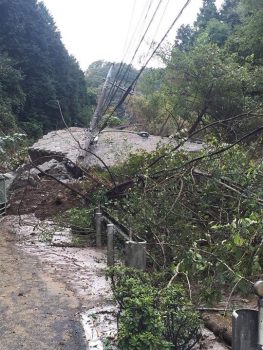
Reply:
x=201 y=213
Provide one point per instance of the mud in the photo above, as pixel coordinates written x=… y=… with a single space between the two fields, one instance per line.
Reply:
x=66 y=286
x=37 y=312
x=48 y=198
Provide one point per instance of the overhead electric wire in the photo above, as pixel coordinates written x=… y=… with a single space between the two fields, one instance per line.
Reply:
x=121 y=73
x=135 y=53
x=139 y=28
x=146 y=31
x=129 y=29
x=145 y=64
x=109 y=101
x=158 y=27
x=114 y=87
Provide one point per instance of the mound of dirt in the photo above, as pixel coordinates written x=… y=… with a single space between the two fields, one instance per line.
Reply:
x=46 y=199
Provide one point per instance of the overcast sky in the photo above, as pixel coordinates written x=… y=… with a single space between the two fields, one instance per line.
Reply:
x=111 y=29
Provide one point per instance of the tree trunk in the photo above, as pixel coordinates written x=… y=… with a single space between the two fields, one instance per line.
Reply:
x=196 y=123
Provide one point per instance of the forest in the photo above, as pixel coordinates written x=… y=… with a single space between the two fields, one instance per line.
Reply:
x=36 y=71
x=199 y=212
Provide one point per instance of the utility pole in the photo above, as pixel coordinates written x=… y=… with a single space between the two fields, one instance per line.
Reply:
x=98 y=111
x=90 y=133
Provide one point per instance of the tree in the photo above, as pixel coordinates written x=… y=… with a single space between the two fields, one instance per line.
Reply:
x=12 y=97
x=185 y=37
x=206 y=14
x=218 y=32
x=247 y=37
x=29 y=36
x=205 y=83
x=230 y=13
x=122 y=76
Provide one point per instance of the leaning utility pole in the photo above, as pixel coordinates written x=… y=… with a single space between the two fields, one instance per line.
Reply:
x=98 y=111
x=90 y=133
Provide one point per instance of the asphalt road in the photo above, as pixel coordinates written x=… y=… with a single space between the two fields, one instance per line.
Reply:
x=36 y=312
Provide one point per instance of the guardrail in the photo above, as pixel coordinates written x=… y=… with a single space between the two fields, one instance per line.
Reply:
x=135 y=250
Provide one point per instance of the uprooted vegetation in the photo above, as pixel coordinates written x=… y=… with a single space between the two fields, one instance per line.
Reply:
x=201 y=215
x=202 y=220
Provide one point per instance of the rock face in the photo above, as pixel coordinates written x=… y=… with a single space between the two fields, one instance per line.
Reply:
x=55 y=168
x=112 y=146
x=24 y=179
x=58 y=145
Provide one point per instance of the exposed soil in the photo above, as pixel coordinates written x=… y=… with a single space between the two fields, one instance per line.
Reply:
x=46 y=199
x=36 y=312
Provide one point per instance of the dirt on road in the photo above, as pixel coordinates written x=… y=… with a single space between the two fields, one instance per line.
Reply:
x=36 y=312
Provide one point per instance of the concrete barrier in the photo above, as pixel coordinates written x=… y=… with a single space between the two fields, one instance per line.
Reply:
x=135 y=254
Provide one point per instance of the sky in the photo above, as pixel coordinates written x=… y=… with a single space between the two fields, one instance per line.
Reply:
x=111 y=30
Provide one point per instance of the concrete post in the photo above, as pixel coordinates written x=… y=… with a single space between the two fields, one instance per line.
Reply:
x=98 y=222
x=260 y=324
x=110 y=245
x=259 y=291
x=3 y=199
x=245 y=330
x=135 y=254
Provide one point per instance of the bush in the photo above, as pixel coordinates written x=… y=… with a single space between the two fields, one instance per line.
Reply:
x=79 y=219
x=149 y=317
x=204 y=216
x=13 y=150
x=111 y=120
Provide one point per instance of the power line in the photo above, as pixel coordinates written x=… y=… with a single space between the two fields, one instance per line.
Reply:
x=136 y=51
x=158 y=27
x=122 y=72
x=145 y=64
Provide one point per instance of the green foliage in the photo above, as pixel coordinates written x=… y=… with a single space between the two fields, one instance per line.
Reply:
x=149 y=317
x=11 y=96
x=246 y=39
x=213 y=72
x=29 y=37
x=205 y=83
x=207 y=13
x=13 y=150
x=203 y=220
x=122 y=73
x=98 y=70
x=79 y=219
x=150 y=81
x=181 y=323
x=111 y=120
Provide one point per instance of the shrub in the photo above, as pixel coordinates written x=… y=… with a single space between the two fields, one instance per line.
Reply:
x=150 y=317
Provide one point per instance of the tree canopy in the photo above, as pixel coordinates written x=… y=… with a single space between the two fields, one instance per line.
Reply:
x=41 y=69
x=214 y=70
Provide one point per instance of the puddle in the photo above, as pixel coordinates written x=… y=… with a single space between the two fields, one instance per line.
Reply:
x=99 y=323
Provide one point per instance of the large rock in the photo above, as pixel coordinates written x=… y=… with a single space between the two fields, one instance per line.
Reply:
x=55 y=168
x=25 y=179
x=59 y=145
x=112 y=147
